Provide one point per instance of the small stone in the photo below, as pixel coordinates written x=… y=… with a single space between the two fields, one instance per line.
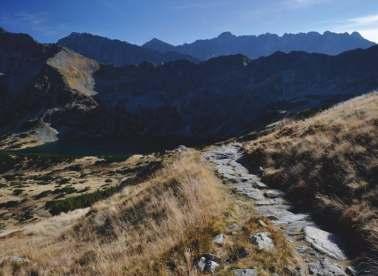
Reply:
x=262 y=223
x=208 y=263
x=233 y=229
x=263 y=241
x=14 y=260
x=244 y=272
x=219 y=239
x=272 y=193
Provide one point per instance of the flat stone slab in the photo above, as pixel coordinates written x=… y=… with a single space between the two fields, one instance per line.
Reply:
x=324 y=242
x=244 y=272
x=277 y=213
x=259 y=185
x=273 y=193
x=266 y=202
x=253 y=193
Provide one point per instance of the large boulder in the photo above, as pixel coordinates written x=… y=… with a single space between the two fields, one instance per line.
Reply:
x=244 y=272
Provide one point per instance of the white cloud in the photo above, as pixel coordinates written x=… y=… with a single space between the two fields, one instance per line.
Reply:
x=366 y=25
x=36 y=22
x=371 y=34
x=365 y=20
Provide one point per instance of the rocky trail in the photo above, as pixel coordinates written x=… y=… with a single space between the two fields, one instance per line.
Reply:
x=321 y=251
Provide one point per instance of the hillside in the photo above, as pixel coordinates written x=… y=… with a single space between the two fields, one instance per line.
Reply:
x=254 y=46
x=158 y=221
x=328 y=165
x=116 y=52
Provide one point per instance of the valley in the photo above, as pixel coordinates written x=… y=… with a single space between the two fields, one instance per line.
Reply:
x=207 y=158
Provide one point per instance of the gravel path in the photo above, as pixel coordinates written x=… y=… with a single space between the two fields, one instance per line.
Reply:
x=320 y=250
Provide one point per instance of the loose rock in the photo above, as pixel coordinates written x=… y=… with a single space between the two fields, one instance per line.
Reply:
x=208 y=263
x=219 y=239
x=273 y=193
x=262 y=241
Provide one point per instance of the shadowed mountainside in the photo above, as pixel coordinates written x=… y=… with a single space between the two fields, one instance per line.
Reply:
x=220 y=98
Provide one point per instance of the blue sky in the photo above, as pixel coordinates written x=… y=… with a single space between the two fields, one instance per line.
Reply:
x=179 y=21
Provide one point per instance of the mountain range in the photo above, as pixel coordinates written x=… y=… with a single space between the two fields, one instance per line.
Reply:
x=121 y=53
x=49 y=92
x=116 y=52
x=264 y=45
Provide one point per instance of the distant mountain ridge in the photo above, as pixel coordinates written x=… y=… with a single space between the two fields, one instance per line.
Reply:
x=121 y=53
x=116 y=52
x=266 y=44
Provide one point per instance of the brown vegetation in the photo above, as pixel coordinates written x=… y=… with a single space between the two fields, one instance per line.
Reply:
x=158 y=227
x=328 y=164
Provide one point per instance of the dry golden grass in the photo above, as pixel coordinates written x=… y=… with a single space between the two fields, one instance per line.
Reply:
x=329 y=164
x=158 y=227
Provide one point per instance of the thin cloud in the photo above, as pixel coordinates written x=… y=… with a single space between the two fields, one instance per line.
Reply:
x=303 y=3
x=199 y=5
x=366 y=25
x=369 y=20
x=36 y=22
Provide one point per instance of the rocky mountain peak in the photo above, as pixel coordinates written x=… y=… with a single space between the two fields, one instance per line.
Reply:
x=226 y=35
x=159 y=45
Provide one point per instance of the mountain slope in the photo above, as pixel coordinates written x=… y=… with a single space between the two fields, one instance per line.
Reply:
x=116 y=52
x=266 y=44
x=328 y=164
x=37 y=81
x=183 y=101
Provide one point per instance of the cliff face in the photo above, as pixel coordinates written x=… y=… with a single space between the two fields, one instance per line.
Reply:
x=216 y=99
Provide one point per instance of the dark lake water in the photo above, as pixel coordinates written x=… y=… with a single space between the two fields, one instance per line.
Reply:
x=108 y=146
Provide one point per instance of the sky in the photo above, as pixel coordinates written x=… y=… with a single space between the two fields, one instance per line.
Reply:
x=181 y=21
